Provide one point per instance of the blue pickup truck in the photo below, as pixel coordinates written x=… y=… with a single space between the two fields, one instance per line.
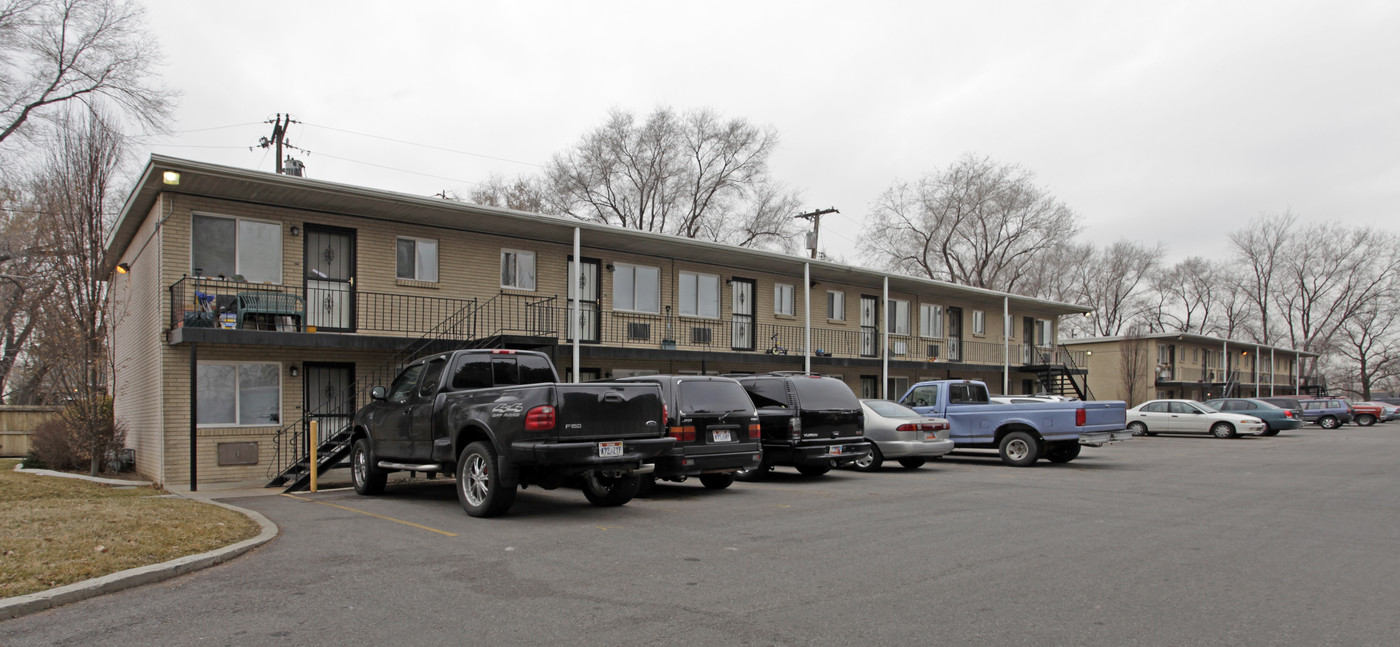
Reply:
x=1021 y=433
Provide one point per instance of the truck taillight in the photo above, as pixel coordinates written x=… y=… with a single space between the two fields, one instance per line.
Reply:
x=755 y=432
x=1081 y=417
x=683 y=434
x=540 y=418
x=795 y=427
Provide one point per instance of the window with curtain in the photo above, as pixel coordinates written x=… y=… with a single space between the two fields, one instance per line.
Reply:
x=698 y=294
x=418 y=259
x=517 y=269
x=221 y=246
x=784 y=299
x=636 y=288
x=238 y=394
x=930 y=321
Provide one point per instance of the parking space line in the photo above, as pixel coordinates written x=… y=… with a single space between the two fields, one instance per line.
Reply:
x=371 y=514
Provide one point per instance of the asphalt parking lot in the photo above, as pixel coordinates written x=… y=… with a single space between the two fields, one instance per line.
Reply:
x=1167 y=540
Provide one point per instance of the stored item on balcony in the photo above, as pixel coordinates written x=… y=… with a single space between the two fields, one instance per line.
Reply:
x=266 y=308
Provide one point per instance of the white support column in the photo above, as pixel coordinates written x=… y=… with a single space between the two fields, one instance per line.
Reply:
x=1273 y=372
x=1006 y=345
x=1224 y=365
x=807 y=301
x=575 y=270
x=885 y=343
x=1297 y=373
x=1256 y=370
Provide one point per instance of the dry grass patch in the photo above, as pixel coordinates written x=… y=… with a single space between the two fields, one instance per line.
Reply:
x=57 y=531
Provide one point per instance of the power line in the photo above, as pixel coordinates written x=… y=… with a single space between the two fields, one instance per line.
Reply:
x=440 y=148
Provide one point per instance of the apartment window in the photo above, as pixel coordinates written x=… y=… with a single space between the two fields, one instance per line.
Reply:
x=1044 y=333
x=227 y=246
x=699 y=295
x=418 y=259
x=979 y=322
x=836 y=305
x=517 y=269
x=897 y=316
x=930 y=321
x=636 y=288
x=784 y=298
x=234 y=394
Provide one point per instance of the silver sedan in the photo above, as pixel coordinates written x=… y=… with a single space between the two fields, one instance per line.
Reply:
x=898 y=432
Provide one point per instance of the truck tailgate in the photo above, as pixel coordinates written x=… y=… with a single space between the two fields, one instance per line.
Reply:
x=1109 y=415
x=608 y=411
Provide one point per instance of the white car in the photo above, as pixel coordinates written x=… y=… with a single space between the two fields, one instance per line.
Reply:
x=1189 y=416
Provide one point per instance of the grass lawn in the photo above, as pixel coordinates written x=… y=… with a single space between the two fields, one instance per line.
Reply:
x=57 y=531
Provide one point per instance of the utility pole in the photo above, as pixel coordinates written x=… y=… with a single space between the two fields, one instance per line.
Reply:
x=279 y=135
x=815 y=217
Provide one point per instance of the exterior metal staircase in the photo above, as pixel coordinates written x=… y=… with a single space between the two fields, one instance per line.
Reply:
x=1060 y=375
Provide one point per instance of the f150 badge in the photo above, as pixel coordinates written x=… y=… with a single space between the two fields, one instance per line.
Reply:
x=508 y=410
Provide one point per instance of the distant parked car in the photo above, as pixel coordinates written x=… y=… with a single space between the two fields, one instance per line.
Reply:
x=715 y=427
x=1368 y=413
x=1276 y=417
x=1285 y=402
x=810 y=422
x=1188 y=416
x=1328 y=413
x=901 y=433
x=1392 y=411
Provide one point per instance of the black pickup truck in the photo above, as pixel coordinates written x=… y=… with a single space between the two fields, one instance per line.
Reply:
x=499 y=420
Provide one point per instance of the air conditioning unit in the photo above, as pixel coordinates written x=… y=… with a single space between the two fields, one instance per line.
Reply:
x=932 y=351
x=701 y=335
x=901 y=348
x=636 y=330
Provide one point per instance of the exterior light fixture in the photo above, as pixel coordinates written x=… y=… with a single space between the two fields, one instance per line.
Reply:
x=123 y=268
x=172 y=178
x=296 y=231
x=295 y=372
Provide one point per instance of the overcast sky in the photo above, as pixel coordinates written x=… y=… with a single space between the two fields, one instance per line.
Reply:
x=1171 y=122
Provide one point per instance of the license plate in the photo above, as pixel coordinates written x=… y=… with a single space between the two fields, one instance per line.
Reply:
x=835 y=450
x=610 y=449
x=722 y=436
x=933 y=436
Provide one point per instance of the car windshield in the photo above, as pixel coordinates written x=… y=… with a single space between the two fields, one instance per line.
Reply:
x=891 y=409
x=1266 y=405
x=1203 y=407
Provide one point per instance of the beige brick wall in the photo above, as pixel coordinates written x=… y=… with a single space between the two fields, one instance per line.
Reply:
x=137 y=305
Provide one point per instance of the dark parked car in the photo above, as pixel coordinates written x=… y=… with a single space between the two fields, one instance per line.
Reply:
x=1276 y=417
x=810 y=422
x=1328 y=413
x=715 y=427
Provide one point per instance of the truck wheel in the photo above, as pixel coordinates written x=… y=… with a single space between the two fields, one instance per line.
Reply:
x=480 y=488
x=1222 y=430
x=912 y=463
x=1063 y=452
x=1365 y=420
x=1139 y=429
x=610 y=491
x=369 y=479
x=716 y=481
x=1019 y=449
x=813 y=470
x=756 y=474
x=1329 y=422
x=870 y=462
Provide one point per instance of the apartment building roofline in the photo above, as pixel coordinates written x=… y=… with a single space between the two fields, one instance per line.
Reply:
x=1186 y=336
x=249 y=186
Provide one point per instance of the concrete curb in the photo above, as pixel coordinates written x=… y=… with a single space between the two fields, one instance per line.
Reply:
x=82 y=477
x=34 y=602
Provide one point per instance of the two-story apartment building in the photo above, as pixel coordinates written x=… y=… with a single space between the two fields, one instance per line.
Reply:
x=246 y=304
x=1183 y=365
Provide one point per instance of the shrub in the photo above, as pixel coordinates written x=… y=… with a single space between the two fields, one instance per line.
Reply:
x=69 y=440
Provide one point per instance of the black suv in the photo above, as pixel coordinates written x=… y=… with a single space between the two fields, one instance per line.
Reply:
x=810 y=422
x=715 y=427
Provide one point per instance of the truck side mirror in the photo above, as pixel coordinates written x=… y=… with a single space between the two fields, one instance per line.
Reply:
x=378 y=393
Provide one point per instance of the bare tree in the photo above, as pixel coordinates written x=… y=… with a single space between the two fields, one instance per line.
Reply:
x=522 y=193
x=1186 y=294
x=1261 y=244
x=94 y=51
x=1370 y=343
x=1112 y=281
x=1135 y=366
x=693 y=174
x=978 y=222
x=1330 y=274
x=75 y=191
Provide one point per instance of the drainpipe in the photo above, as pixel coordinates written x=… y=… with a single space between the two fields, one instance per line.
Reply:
x=574 y=272
x=807 y=302
x=1273 y=373
x=1224 y=365
x=1006 y=345
x=194 y=416
x=885 y=344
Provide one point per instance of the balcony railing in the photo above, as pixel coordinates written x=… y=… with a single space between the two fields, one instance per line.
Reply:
x=216 y=303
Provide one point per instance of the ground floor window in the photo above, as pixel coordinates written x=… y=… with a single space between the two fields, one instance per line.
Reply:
x=239 y=394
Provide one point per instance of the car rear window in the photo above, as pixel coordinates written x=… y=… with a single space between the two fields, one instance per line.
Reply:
x=824 y=393
x=700 y=396
x=891 y=409
x=768 y=394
